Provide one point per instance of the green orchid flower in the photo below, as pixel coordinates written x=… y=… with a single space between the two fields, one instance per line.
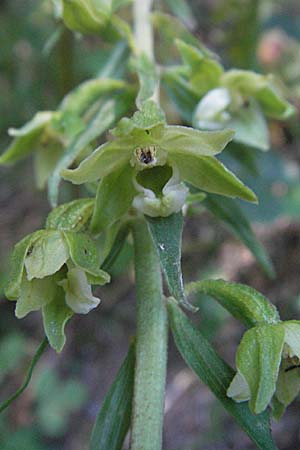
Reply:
x=51 y=271
x=237 y=99
x=268 y=361
x=148 y=164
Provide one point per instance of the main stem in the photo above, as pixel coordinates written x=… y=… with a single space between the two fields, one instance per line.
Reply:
x=151 y=345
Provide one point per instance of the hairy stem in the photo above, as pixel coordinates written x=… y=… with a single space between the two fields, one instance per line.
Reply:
x=151 y=345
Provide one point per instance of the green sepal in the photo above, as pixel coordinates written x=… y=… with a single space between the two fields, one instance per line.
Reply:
x=232 y=215
x=105 y=159
x=114 y=198
x=166 y=233
x=113 y=420
x=12 y=288
x=182 y=141
x=26 y=139
x=35 y=294
x=100 y=279
x=147 y=117
x=72 y=216
x=55 y=316
x=83 y=252
x=216 y=374
x=208 y=174
x=258 y=360
x=47 y=254
x=243 y=302
x=288 y=383
x=45 y=161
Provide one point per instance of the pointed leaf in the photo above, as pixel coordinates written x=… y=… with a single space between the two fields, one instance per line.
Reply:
x=208 y=174
x=26 y=138
x=17 y=261
x=243 y=302
x=113 y=420
x=72 y=216
x=216 y=374
x=55 y=316
x=181 y=141
x=114 y=197
x=47 y=255
x=258 y=359
x=229 y=212
x=166 y=233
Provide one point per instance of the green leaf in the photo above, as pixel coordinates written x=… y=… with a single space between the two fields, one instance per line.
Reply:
x=84 y=16
x=250 y=126
x=181 y=141
x=204 y=71
x=183 y=11
x=46 y=255
x=109 y=111
x=104 y=160
x=34 y=294
x=243 y=302
x=17 y=261
x=55 y=316
x=229 y=212
x=83 y=96
x=166 y=233
x=72 y=216
x=208 y=174
x=115 y=241
x=216 y=374
x=148 y=78
x=84 y=254
x=26 y=138
x=114 y=197
x=258 y=359
x=116 y=62
x=113 y=420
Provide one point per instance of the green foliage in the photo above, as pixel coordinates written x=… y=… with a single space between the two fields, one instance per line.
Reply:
x=147 y=172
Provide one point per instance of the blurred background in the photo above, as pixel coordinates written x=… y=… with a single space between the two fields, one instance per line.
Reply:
x=39 y=62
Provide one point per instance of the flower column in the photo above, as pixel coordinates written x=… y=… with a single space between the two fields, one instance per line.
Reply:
x=152 y=331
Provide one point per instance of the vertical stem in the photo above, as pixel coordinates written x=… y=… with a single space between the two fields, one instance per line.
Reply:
x=151 y=345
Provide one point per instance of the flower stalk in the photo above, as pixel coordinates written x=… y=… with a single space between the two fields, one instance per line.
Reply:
x=151 y=345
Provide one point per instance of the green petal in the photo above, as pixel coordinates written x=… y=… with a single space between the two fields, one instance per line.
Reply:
x=55 y=316
x=258 y=359
x=208 y=174
x=83 y=252
x=105 y=159
x=27 y=138
x=12 y=289
x=34 y=294
x=180 y=140
x=239 y=389
x=72 y=216
x=114 y=198
x=47 y=255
